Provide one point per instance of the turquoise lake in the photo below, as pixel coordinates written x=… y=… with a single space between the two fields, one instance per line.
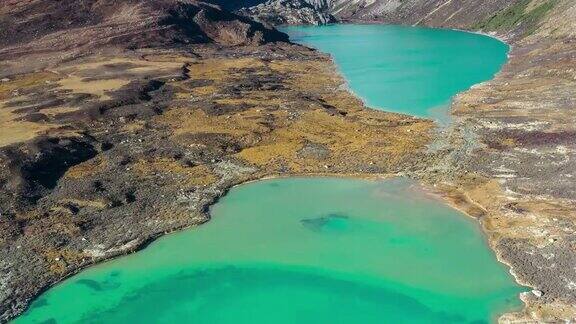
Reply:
x=409 y=70
x=300 y=250
x=321 y=250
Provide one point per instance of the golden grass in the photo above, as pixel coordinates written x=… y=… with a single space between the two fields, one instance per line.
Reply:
x=85 y=203
x=273 y=154
x=13 y=131
x=349 y=143
x=133 y=126
x=25 y=81
x=99 y=88
x=59 y=110
x=353 y=134
x=220 y=69
x=57 y=259
x=197 y=121
x=191 y=176
x=251 y=101
x=88 y=168
x=200 y=91
x=133 y=64
x=529 y=219
x=76 y=76
x=169 y=58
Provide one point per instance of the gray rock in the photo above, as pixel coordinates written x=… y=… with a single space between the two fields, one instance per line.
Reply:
x=291 y=12
x=537 y=293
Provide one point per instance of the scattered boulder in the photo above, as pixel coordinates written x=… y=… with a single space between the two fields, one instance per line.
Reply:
x=537 y=293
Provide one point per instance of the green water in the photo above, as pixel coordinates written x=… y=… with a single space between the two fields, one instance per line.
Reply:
x=300 y=250
x=406 y=69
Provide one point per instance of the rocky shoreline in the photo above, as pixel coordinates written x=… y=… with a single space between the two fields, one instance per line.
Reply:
x=132 y=144
x=111 y=147
x=507 y=157
x=519 y=170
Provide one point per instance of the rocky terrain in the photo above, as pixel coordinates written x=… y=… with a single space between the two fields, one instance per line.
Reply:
x=128 y=125
x=291 y=12
x=121 y=121
x=524 y=121
x=40 y=26
x=505 y=16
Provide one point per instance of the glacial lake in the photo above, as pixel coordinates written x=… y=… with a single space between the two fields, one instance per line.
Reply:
x=321 y=250
x=300 y=250
x=410 y=70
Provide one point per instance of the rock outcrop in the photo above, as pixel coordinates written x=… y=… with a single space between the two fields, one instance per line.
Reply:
x=291 y=12
x=501 y=15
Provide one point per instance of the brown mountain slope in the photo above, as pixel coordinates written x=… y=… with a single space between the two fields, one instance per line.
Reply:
x=36 y=26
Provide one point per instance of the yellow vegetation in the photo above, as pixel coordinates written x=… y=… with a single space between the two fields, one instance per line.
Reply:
x=219 y=69
x=57 y=259
x=25 y=81
x=14 y=131
x=98 y=88
x=88 y=168
x=273 y=135
x=78 y=77
x=191 y=176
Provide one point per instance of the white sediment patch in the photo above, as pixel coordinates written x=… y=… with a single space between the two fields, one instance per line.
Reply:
x=562 y=149
x=94 y=253
x=505 y=176
x=528 y=126
x=100 y=251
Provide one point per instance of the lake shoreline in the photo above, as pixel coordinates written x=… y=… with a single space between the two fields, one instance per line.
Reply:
x=168 y=193
x=133 y=246
x=353 y=189
x=404 y=108
x=550 y=306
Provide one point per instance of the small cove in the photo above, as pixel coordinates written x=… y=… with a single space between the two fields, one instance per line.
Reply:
x=411 y=70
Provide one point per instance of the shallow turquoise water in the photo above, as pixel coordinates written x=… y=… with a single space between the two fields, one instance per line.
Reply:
x=406 y=69
x=300 y=250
